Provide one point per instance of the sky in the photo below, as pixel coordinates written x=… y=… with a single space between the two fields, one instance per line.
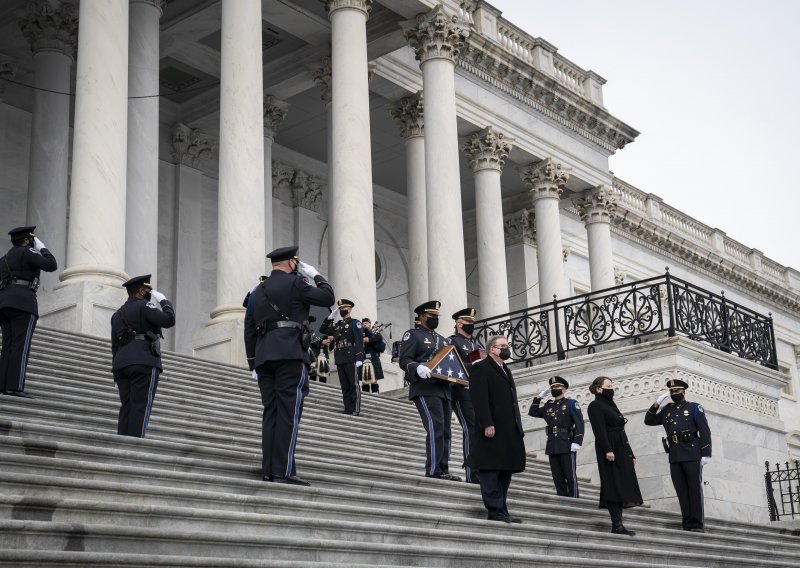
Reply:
x=712 y=85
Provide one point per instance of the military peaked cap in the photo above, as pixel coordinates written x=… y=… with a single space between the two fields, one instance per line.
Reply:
x=431 y=307
x=22 y=232
x=344 y=303
x=283 y=253
x=143 y=280
x=558 y=382
x=465 y=314
x=676 y=384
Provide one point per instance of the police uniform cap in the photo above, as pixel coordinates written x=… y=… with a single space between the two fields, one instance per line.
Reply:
x=431 y=307
x=22 y=232
x=558 y=382
x=465 y=314
x=143 y=280
x=674 y=384
x=283 y=253
x=345 y=303
x=366 y=320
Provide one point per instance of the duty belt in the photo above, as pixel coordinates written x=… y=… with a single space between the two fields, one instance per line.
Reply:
x=683 y=437
x=555 y=430
x=344 y=344
x=284 y=323
x=21 y=282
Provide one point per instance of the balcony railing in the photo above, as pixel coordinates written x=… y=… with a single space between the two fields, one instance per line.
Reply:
x=660 y=305
x=783 y=491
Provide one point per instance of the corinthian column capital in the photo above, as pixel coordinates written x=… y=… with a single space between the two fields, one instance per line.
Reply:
x=408 y=113
x=321 y=73
x=436 y=35
x=274 y=112
x=546 y=178
x=361 y=5
x=486 y=150
x=50 y=27
x=191 y=147
x=598 y=205
x=520 y=228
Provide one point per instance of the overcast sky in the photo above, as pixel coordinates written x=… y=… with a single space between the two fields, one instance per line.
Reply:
x=712 y=85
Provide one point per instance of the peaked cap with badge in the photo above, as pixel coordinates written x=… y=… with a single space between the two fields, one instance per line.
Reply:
x=143 y=280
x=22 y=232
x=558 y=382
x=345 y=303
x=431 y=307
x=465 y=314
x=674 y=384
x=283 y=253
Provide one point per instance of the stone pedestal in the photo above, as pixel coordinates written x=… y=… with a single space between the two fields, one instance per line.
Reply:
x=740 y=399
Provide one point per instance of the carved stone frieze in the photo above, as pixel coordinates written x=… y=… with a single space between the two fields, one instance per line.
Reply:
x=321 y=73
x=597 y=205
x=486 y=150
x=49 y=26
x=436 y=35
x=191 y=147
x=361 y=5
x=619 y=277
x=408 y=113
x=297 y=187
x=274 y=112
x=520 y=228
x=546 y=178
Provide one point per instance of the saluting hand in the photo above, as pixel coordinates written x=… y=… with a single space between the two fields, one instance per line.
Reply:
x=489 y=432
x=544 y=393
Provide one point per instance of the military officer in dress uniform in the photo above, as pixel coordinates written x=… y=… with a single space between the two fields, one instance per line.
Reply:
x=135 y=345
x=348 y=353
x=688 y=443
x=432 y=397
x=462 y=403
x=564 y=434
x=19 y=310
x=274 y=332
x=374 y=345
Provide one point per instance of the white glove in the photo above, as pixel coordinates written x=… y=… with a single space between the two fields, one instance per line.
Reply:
x=544 y=393
x=359 y=363
x=157 y=296
x=574 y=447
x=662 y=397
x=307 y=270
x=334 y=315
x=38 y=244
x=423 y=372
x=704 y=461
x=254 y=374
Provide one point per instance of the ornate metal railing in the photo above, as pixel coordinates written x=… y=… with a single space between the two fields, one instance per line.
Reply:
x=659 y=305
x=785 y=485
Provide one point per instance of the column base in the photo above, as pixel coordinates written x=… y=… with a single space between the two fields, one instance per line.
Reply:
x=221 y=341
x=81 y=307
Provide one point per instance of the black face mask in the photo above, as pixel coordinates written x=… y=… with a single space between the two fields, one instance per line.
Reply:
x=677 y=398
x=147 y=296
x=432 y=322
x=468 y=328
x=344 y=313
x=556 y=392
x=608 y=393
x=505 y=353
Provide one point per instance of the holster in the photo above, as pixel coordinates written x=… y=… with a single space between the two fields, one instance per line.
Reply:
x=665 y=443
x=126 y=336
x=154 y=341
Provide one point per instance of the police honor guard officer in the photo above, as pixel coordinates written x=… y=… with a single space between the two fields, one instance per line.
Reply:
x=348 y=353
x=564 y=434
x=432 y=397
x=274 y=335
x=689 y=445
x=135 y=345
x=374 y=345
x=462 y=403
x=19 y=310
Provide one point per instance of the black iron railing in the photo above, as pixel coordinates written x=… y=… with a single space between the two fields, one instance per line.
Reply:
x=662 y=304
x=783 y=491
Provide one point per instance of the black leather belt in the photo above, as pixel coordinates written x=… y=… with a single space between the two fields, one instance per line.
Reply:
x=683 y=437
x=21 y=282
x=556 y=430
x=273 y=325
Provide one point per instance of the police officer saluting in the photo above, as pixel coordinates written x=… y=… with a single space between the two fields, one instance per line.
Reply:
x=135 y=345
x=276 y=340
x=688 y=442
x=348 y=353
x=19 y=310
x=462 y=403
x=432 y=397
x=564 y=434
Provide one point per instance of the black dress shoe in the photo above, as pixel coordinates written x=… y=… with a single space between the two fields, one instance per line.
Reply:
x=293 y=480
x=356 y=414
x=496 y=517
x=697 y=529
x=20 y=394
x=620 y=529
x=515 y=520
x=268 y=478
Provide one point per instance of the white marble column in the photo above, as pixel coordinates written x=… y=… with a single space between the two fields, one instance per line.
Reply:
x=523 y=272
x=51 y=29
x=274 y=112
x=321 y=73
x=141 y=211
x=597 y=209
x=351 y=243
x=408 y=113
x=436 y=38
x=486 y=152
x=546 y=181
x=96 y=236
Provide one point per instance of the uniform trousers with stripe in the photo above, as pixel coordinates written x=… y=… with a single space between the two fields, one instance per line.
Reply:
x=435 y=413
x=137 y=386
x=17 y=327
x=283 y=386
x=565 y=475
x=351 y=390
x=466 y=417
x=687 y=477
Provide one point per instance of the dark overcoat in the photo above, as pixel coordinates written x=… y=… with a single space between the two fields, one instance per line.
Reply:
x=494 y=398
x=618 y=483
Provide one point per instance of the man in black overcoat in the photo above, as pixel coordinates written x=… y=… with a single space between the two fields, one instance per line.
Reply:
x=499 y=449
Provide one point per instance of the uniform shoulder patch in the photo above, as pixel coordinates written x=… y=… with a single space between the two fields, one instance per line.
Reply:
x=34 y=251
x=407 y=336
x=700 y=408
x=358 y=324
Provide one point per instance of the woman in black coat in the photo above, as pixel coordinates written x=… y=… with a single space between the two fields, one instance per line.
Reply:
x=498 y=449
x=619 y=487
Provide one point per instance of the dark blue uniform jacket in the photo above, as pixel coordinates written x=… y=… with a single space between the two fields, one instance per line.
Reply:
x=140 y=317
x=348 y=339
x=564 y=423
x=25 y=264
x=687 y=423
x=419 y=346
